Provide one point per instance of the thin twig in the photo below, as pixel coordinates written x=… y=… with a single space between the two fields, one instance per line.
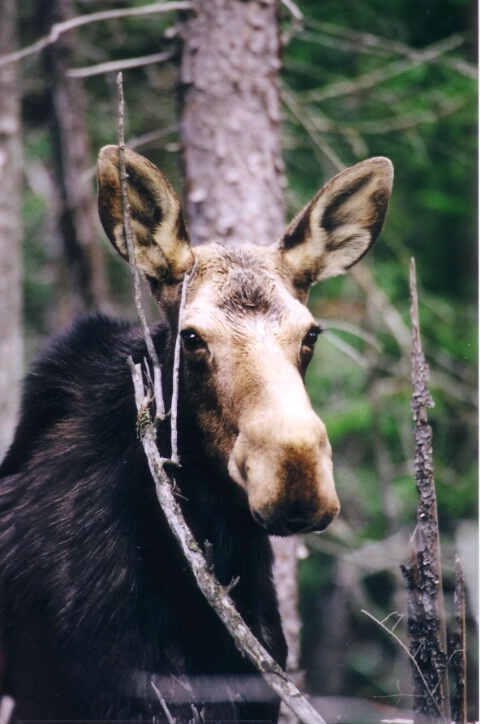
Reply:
x=60 y=28
x=351 y=329
x=176 y=368
x=136 y=142
x=216 y=595
x=410 y=656
x=117 y=65
x=369 y=44
x=293 y=9
x=347 y=349
x=163 y=704
x=392 y=70
x=412 y=120
x=312 y=129
x=157 y=373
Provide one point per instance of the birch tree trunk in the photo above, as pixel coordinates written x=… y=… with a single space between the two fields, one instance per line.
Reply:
x=234 y=173
x=11 y=346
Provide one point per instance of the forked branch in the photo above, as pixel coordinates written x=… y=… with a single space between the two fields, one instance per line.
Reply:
x=217 y=596
x=60 y=28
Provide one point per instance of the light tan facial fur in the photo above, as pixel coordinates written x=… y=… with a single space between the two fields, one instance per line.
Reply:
x=247 y=336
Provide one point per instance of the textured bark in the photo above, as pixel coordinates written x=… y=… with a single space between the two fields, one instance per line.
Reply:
x=426 y=616
x=230 y=122
x=234 y=172
x=11 y=348
x=84 y=273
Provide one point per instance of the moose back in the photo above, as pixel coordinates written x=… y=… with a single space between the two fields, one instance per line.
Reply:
x=96 y=601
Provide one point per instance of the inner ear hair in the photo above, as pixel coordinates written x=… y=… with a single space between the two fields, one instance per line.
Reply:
x=341 y=223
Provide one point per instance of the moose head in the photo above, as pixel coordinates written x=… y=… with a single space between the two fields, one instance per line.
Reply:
x=247 y=336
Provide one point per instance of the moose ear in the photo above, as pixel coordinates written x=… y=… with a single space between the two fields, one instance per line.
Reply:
x=340 y=224
x=162 y=247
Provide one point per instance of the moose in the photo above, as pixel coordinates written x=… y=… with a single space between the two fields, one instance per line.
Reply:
x=96 y=601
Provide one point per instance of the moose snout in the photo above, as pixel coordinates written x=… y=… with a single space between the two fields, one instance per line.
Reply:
x=288 y=475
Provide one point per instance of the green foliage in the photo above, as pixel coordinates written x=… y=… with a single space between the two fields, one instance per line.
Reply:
x=362 y=78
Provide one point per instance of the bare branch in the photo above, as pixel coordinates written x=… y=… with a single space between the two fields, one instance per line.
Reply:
x=60 y=28
x=392 y=70
x=392 y=318
x=347 y=349
x=157 y=374
x=313 y=129
x=176 y=368
x=293 y=9
x=163 y=704
x=133 y=143
x=423 y=573
x=391 y=632
x=118 y=65
x=216 y=595
x=372 y=44
x=412 y=120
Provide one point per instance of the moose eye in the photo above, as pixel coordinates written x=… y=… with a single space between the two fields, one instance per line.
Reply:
x=191 y=340
x=311 y=337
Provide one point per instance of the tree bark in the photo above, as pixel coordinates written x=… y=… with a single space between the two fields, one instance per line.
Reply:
x=423 y=573
x=11 y=345
x=83 y=270
x=233 y=167
x=230 y=122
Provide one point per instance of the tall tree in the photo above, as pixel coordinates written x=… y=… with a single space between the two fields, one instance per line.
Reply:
x=234 y=173
x=85 y=283
x=11 y=347
x=230 y=123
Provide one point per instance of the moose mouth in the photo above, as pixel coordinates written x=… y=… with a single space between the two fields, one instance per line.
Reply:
x=285 y=526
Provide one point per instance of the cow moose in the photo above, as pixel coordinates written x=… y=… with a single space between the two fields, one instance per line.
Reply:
x=96 y=601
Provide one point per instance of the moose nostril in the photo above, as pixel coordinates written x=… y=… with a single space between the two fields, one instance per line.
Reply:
x=295 y=525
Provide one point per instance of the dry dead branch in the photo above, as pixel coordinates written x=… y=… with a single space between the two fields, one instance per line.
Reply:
x=216 y=595
x=77 y=22
x=118 y=65
x=423 y=576
x=157 y=373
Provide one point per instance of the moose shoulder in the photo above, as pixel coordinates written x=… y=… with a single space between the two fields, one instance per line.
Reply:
x=95 y=599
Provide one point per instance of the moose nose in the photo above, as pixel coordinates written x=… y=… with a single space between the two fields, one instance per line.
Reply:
x=288 y=477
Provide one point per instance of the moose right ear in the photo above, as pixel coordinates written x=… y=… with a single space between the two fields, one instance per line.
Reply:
x=162 y=246
x=339 y=225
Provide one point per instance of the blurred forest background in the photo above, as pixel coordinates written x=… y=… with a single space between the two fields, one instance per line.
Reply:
x=359 y=78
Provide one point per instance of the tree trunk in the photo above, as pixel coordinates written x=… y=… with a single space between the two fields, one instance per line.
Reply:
x=234 y=173
x=83 y=268
x=11 y=346
x=230 y=123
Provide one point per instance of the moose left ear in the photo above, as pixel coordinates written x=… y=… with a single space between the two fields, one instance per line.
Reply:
x=342 y=222
x=160 y=239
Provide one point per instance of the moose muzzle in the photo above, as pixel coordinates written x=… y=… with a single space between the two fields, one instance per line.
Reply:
x=285 y=466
